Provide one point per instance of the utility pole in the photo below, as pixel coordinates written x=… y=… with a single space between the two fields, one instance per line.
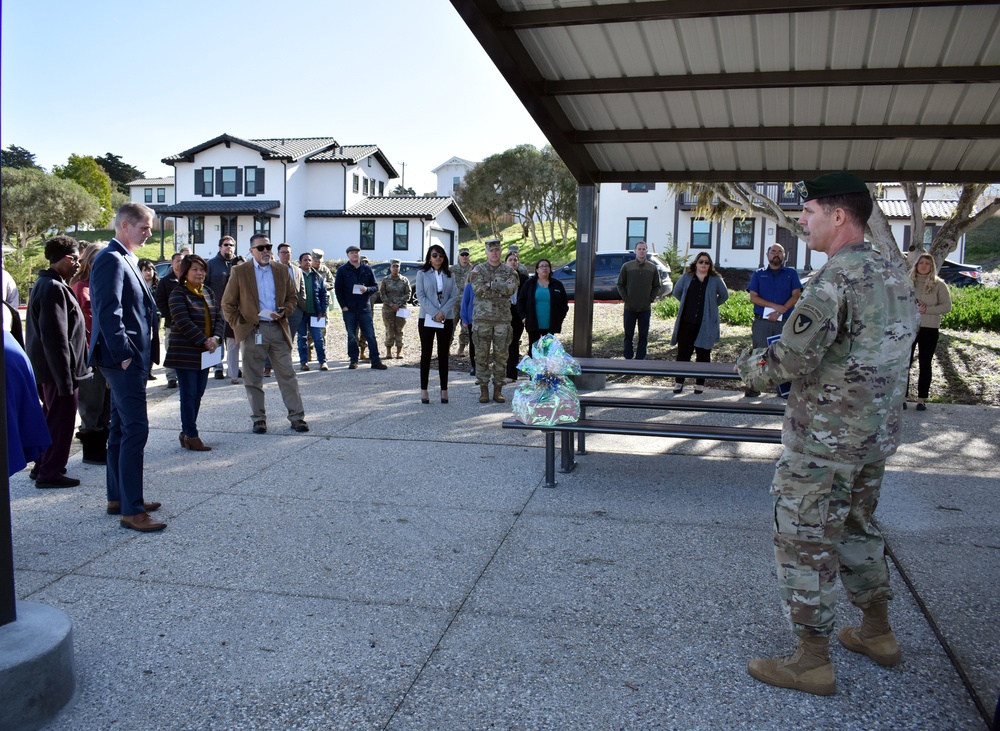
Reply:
x=403 y=183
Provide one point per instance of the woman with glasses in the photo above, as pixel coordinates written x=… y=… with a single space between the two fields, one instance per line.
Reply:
x=542 y=303
x=196 y=326
x=437 y=296
x=696 y=329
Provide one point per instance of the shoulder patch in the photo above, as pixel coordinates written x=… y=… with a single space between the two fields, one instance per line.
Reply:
x=801 y=323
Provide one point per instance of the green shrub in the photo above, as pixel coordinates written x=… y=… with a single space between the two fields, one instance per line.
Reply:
x=737 y=310
x=973 y=308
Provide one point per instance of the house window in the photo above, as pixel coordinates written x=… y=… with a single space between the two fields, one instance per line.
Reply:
x=147 y=194
x=204 y=182
x=455 y=182
x=253 y=181
x=367 y=241
x=400 y=235
x=701 y=234
x=369 y=161
x=357 y=184
x=161 y=195
x=262 y=225
x=366 y=186
x=197 y=225
x=635 y=231
x=743 y=233
x=229 y=181
x=381 y=187
x=638 y=187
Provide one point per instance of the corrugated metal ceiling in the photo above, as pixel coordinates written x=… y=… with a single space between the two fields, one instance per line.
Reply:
x=752 y=89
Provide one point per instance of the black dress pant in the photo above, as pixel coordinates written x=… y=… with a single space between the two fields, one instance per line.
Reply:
x=427 y=337
x=927 y=339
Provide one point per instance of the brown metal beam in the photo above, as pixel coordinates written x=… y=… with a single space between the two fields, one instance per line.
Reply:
x=514 y=63
x=680 y=9
x=755 y=176
x=751 y=134
x=774 y=80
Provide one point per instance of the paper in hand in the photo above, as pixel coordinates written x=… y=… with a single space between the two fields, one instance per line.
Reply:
x=429 y=321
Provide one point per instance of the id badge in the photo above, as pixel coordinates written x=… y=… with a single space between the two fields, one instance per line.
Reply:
x=257 y=339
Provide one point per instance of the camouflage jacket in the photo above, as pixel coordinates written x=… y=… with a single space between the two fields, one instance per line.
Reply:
x=493 y=287
x=394 y=289
x=461 y=274
x=846 y=352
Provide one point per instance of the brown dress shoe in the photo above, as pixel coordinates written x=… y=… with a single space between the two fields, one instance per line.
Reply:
x=195 y=444
x=115 y=507
x=141 y=522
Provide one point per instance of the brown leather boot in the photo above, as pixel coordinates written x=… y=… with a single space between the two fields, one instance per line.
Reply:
x=399 y=352
x=874 y=637
x=498 y=393
x=484 y=393
x=809 y=669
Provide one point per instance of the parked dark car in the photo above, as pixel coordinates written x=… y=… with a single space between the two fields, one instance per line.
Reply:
x=408 y=269
x=607 y=266
x=961 y=275
x=162 y=268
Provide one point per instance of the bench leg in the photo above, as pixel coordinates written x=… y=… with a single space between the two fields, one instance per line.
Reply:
x=550 y=459
x=581 y=438
x=566 y=452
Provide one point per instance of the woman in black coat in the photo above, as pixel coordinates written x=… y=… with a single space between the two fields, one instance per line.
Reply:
x=516 y=321
x=542 y=303
x=196 y=326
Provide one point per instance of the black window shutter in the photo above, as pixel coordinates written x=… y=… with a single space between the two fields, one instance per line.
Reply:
x=260 y=181
x=239 y=181
x=218 y=181
x=199 y=182
x=906 y=238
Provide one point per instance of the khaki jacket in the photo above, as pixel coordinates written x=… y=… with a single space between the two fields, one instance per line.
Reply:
x=241 y=303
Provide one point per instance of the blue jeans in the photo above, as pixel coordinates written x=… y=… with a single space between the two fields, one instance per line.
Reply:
x=361 y=320
x=319 y=340
x=633 y=318
x=191 y=383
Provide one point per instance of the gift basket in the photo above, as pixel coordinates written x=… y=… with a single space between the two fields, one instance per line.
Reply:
x=549 y=397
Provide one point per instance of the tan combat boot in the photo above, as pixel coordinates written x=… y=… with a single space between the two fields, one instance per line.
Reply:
x=484 y=393
x=874 y=637
x=461 y=348
x=809 y=669
x=498 y=393
x=363 y=355
x=399 y=352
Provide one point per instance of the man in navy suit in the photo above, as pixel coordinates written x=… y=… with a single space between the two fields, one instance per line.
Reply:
x=123 y=317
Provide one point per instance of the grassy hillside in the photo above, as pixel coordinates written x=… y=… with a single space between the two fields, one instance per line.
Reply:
x=554 y=251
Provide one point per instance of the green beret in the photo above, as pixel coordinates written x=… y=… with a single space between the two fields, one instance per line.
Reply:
x=829 y=185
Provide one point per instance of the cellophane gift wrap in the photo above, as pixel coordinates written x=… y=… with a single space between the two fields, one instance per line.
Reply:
x=550 y=397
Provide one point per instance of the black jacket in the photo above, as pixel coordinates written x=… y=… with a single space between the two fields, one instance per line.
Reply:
x=559 y=304
x=57 y=334
x=162 y=296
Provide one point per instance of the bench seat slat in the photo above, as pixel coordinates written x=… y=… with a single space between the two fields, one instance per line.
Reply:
x=611 y=402
x=659 y=429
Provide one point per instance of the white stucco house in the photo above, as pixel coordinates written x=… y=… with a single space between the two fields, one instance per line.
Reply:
x=633 y=212
x=309 y=192
x=451 y=173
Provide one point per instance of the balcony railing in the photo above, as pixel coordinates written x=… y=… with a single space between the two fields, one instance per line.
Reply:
x=787 y=198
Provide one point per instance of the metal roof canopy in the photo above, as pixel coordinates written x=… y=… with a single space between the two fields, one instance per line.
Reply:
x=751 y=90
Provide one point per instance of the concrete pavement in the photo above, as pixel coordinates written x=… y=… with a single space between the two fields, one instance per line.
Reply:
x=401 y=567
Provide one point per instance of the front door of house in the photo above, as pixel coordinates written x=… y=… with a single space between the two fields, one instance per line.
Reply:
x=229 y=227
x=791 y=243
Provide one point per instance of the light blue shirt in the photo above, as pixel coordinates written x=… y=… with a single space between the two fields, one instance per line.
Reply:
x=265 y=288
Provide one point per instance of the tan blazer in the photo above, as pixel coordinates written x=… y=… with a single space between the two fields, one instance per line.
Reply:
x=241 y=303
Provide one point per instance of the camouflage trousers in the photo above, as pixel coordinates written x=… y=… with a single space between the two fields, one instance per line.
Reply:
x=487 y=338
x=463 y=333
x=822 y=528
x=393 y=328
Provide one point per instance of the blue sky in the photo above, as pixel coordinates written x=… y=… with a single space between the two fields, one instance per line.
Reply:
x=146 y=80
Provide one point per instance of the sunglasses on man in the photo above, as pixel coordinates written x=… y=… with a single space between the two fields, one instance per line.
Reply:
x=264 y=247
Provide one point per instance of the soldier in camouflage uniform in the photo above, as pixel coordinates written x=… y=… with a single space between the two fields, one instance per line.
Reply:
x=846 y=354
x=493 y=282
x=395 y=292
x=461 y=273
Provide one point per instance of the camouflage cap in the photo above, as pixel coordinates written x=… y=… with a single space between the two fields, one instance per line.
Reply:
x=462 y=251
x=492 y=244
x=829 y=185
x=394 y=262
x=317 y=253
x=513 y=249
x=348 y=250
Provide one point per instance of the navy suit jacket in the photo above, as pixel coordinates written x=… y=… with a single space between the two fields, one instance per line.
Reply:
x=123 y=310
